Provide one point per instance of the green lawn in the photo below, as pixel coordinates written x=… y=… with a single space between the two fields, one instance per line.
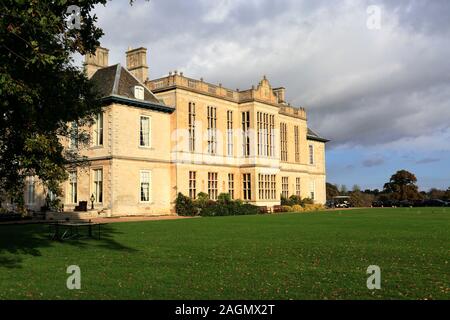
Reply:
x=291 y=256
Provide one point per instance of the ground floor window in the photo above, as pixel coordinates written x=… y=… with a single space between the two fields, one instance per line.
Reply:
x=31 y=185
x=312 y=189
x=146 y=178
x=231 y=185
x=98 y=185
x=285 y=187
x=73 y=187
x=247 y=187
x=192 y=184
x=212 y=185
x=297 y=187
x=267 y=186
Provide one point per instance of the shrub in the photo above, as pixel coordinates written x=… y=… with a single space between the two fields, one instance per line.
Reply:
x=286 y=208
x=313 y=207
x=297 y=208
x=224 y=198
x=184 y=206
x=295 y=200
x=284 y=201
x=232 y=208
x=308 y=201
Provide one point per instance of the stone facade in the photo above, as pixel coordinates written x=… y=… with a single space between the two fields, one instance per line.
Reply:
x=202 y=138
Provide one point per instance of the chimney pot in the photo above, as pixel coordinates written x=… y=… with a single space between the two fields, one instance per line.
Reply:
x=96 y=61
x=137 y=63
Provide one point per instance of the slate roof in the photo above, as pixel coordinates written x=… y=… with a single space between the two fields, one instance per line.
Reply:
x=116 y=84
x=311 y=135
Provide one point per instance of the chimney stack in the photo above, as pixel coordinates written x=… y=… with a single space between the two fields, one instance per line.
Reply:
x=96 y=61
x=280 y=94
x=137 y=63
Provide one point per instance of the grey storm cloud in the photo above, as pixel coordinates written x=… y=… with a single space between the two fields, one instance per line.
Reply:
x=360 y=86
x=427 y=160
x=373 y=162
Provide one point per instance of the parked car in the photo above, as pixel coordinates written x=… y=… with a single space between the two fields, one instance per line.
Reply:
x=377 y=204
x=330 y=204
x=405 y=203
x=435 y=203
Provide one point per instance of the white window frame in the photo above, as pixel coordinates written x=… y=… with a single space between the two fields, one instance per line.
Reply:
x=149 y=133
x=312 y=189
x=139 y=92
x=99 y=136
x=95 y=184
x=73 y=139
x=311 y=154
x=73 y=185
x=149 y=190
x=31 y=191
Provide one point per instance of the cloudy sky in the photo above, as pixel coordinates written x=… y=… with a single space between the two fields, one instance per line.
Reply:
x=382 y=95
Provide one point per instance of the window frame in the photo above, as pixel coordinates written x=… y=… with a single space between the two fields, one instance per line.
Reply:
x=247 y=186
x=141 y=134
x=149 y=190
x=73 y=187
x=311 y=154
x=213 y=185
x=193 y=185
x=98 y=130
x=95 y=184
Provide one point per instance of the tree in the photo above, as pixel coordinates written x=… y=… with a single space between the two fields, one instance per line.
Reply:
x=43 y=93
x=447 y=195
x=356 y=188
x=360 y=199
x=402 y=186
x=343 y=190
x=332 y=190
x=436 y=194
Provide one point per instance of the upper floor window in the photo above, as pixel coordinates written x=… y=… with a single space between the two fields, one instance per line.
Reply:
x=191 y=126
x=311 y=154
x=145 y=131
x=283 y=141
x=229 y=133
x=139 y=92
x=73 y=143
x=297 y=144
x=212 y=130
x=98 y=129
x=265 y=127
x=246 y=133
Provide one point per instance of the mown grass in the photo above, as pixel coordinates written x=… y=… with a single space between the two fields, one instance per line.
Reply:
x=321 y=255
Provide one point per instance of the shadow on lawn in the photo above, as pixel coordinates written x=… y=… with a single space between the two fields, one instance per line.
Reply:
x=19 y=240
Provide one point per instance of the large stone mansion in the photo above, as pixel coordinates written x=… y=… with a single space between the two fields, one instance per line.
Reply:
x=158 y=137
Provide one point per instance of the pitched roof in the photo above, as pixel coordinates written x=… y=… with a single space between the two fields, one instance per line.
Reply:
x=311 y=135
x=116 y=84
